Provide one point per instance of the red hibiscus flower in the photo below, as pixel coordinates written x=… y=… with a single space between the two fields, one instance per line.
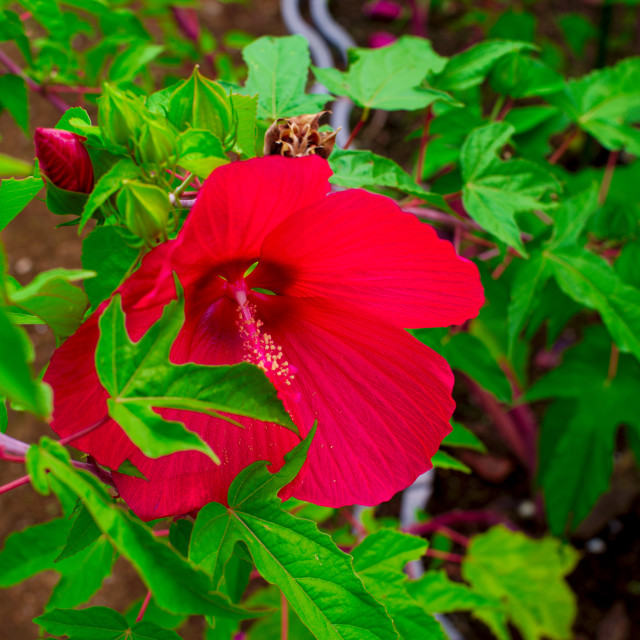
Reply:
x=346 y=272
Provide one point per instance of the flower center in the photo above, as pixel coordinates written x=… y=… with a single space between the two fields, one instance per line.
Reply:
x=259 y=346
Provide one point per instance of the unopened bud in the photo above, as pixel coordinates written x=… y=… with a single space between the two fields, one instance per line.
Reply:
x=383 y=10
x=156 y=143
x=119 y=116
x=381 y=39
x=146 y=210
x=202 y=104
x=299 y=136
x=64 y=159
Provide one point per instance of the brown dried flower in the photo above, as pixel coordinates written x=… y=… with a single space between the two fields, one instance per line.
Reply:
x=299 y=136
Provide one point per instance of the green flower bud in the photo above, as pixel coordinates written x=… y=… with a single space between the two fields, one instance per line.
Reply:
x=156 y=143
x=146 y=210
x=120 y=117
x=202 y=104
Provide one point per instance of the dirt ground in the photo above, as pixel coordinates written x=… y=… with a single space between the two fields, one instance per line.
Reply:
x=607 y=580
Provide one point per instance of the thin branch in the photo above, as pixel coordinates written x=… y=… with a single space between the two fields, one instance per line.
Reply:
x=32 y=84
x=143 y=608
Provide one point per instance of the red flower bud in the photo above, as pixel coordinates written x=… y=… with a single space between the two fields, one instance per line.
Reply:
x=383 y=10
x=381 y=39
x=64 y=159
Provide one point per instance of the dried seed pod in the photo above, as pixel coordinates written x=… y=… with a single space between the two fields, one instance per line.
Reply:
x=299 y=136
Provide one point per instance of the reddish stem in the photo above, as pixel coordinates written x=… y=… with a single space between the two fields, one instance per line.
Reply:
x=424 y=142
x=32 y=84
x=457 y=518
x=612 y=160
x=161 y=532
x=84 y=432
x=501 y=268
x=505 y=109
x=559 y=152
x=444 y=555
x=454 y=535
x=14 y=484
x=456 y=195
x=354 y=133
x=143 y=608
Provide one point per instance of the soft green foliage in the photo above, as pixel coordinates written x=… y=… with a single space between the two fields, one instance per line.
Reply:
x=176 y=583
x=314 y=575
x=124 y=369
x=13 y=98
x=380 y=560
x=16 y=378
x=100 y=623
x=578 y=434
x=389 y=78
x=278 y=70
x=15 y=195
x=527 y=576
x=495 y=191
x=52 y=298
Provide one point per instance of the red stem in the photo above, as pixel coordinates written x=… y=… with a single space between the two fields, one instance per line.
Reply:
x=32 y=84
x=354 y=133
x=456 y=195
x=14 y=484
x=612 y=160
x=457 y=518
x=84 y=432
x=559 y=152
x=144 y=606
x=444 y=555
x=454 y=535
x=424 y=142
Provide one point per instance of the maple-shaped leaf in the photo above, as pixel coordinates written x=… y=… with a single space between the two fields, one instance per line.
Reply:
x=527 y=577
x=578 y=434
x=495 y=190
x=605 y=104
x=139 y=377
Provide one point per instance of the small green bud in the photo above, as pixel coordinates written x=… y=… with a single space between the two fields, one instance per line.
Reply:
x=156 y=143
x=146 y=210
x=119 y=116
x=202 y=104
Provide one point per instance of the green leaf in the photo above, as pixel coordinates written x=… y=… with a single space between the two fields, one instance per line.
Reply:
x=12 y=28
x=74 y=113
x=32 y=550
x=201 y=152
x=246 y=109
x=577 y=30
x=10 y=166
x=94 y=623
x=278 y=73
x=51 y=297
x=605 y=104
x=16 y=381
x=177 y=585
x=469 y=68
x=15 y=99
x=366 y=169
x=15 y=195
x=139 y=376
x=494 y=191
x=436 y=593
x=591 y=281
x=133 y=60
x=521 y=76
x=110 y=251
x=570 y=218
x=82 y=575
x=84 y=532
x=380 y=560
x=108 y=184
x=311 y=571
x=462 y=437
x=388 y=78
x=577 y=446
x=443 y=460
x=528 y=577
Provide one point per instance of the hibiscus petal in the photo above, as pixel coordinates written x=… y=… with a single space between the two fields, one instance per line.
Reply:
x=382 y=399
x=361 y=248
x=240 y=203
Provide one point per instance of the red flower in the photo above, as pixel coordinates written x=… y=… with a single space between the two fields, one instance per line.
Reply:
x=64 y=159
x=349 y=271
